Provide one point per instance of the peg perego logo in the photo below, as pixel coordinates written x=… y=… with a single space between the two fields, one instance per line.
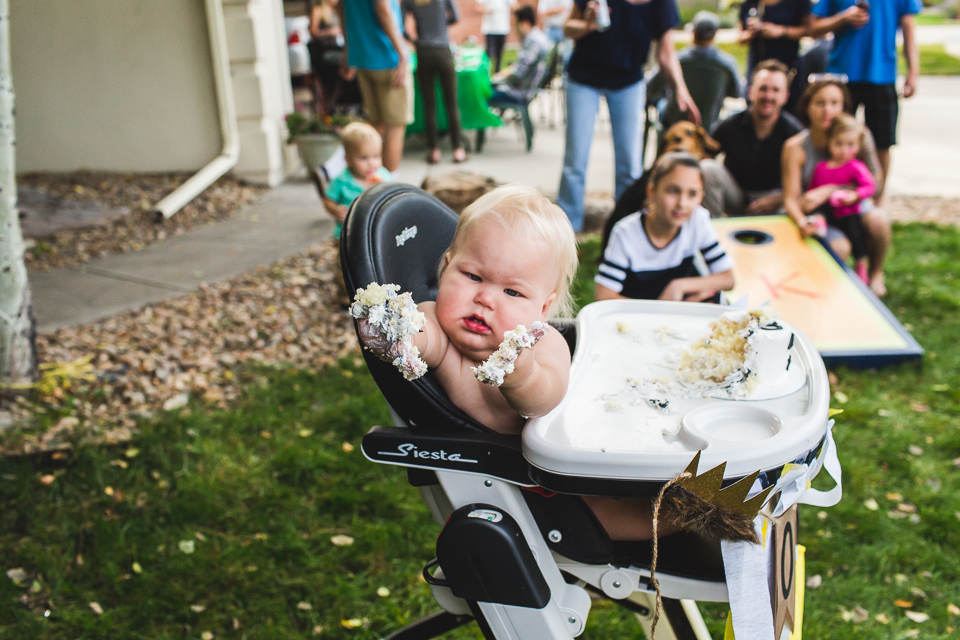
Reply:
x=407 y=234
x=410 y=449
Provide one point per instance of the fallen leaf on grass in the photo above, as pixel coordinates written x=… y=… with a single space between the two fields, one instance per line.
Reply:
x=305 y=433
x=18 y=575
x=176 y=402
x=132 y=452
x=882 y=618
x=187 y=546
x=136 y=568
x=884 y=413
x=347 y=447
x=903 y=604
x=953 y=609
x=915 y=450
x=108 y=491
x=304 y=606
x=916 y=616
x=871 y=504
x=858 y=615
x=894 y=496
x=96 y=608
x=913 y=633
x=814 y=581
x=341 y=541
x=353 y=623
x=47 y=479
x=840 y=397
x=919 y=407
x=198 y=608
x=206 y=635
x=119 y=463
x=383 y=592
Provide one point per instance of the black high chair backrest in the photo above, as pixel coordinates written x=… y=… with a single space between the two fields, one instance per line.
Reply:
x=397 y=234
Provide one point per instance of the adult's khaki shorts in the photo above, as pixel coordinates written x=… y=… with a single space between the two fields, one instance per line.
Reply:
x=385 y=104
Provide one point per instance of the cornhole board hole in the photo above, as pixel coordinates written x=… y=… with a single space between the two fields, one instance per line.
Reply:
x=813 y=291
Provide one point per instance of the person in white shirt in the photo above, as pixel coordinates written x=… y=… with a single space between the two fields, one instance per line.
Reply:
x=495 y=26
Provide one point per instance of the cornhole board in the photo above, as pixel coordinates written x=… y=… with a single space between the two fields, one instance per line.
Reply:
x=814 y=291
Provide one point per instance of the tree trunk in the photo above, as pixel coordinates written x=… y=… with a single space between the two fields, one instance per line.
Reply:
x=18 y=357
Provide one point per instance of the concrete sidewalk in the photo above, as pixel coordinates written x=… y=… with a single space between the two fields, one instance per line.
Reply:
x=290 y=218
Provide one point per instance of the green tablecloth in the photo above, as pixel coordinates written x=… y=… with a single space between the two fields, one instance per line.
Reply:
x=473 y=89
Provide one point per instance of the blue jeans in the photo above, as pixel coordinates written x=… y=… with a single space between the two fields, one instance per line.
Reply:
x=626 y=113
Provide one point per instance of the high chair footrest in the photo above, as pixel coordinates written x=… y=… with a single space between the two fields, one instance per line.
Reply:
x=491 y=454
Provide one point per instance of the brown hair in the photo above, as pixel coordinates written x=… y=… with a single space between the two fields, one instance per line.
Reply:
x=844 y=123
x=803 y=104
x=670 y=161
x=772 y=65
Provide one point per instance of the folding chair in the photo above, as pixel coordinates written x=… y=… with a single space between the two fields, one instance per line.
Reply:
x=519 y=564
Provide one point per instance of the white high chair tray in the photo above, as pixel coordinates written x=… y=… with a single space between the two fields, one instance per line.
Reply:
x=605 y=428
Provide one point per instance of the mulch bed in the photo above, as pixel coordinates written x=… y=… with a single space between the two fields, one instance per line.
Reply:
x=118 y=207
x=158 y=357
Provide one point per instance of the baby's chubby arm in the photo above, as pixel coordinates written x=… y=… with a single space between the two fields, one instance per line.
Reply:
x=539 y=378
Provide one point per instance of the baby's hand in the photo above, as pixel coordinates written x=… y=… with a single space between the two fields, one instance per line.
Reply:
x=842 y=197
x=502 y=362
x=386 y=323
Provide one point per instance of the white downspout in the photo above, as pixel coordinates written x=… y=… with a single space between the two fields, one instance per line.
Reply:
x=229 y=129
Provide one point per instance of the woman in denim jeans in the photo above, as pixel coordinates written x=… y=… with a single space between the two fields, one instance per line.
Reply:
x=609 y=62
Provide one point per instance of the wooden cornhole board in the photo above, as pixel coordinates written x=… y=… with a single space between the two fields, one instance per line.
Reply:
x=813 y=291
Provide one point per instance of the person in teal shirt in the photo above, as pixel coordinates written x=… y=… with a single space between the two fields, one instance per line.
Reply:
x=363 y=150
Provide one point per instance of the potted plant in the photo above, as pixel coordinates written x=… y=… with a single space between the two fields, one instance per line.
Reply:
x=316 y=136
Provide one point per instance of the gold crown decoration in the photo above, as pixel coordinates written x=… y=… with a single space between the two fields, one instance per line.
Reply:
x=697 y=501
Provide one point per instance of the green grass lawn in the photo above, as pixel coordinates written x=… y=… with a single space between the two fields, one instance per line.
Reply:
x=226 y=522
x=934 y=59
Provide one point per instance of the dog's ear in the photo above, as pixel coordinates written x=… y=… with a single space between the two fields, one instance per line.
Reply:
x=710 y=146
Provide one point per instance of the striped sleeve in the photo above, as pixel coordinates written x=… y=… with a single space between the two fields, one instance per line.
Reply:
x=712 y=251
x=616 y=262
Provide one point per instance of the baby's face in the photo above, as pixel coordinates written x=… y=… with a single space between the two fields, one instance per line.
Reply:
x=492 y=283
x=845 y=146
x=365 y=160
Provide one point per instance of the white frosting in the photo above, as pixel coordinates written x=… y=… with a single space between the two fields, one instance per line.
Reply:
x=397 y=319
x=743 y=349
x=500 y=363
x=629 y=396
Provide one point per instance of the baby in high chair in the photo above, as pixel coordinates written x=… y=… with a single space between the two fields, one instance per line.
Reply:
x=508 y=269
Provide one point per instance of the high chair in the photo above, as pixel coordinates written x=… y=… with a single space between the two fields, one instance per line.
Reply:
x=519 y=560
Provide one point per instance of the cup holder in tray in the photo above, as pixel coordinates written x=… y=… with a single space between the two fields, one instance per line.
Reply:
x=726 y=422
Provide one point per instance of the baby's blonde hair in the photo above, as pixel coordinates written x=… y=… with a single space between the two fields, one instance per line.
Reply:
x=532 y=217
x=844 y=123
x=357 y=133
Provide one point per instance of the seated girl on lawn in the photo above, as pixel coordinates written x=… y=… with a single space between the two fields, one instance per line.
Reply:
x=651 y=253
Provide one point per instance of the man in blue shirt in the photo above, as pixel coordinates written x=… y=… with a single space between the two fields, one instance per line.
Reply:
x=375 y=49
x=865 y=50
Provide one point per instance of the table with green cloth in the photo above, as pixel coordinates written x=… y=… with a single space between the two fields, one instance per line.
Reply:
x=473 y=89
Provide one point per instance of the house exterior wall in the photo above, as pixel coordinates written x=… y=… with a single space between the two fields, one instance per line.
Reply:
x=115 y=85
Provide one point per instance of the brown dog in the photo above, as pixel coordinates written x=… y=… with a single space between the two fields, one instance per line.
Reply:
x=686 y=136
x=682 y=136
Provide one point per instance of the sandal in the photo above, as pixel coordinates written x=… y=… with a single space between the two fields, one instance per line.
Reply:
x=459 y=155
x=434 y=157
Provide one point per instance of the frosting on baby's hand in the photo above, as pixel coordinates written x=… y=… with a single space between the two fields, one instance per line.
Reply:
x=500 y=363
x=387 y=320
